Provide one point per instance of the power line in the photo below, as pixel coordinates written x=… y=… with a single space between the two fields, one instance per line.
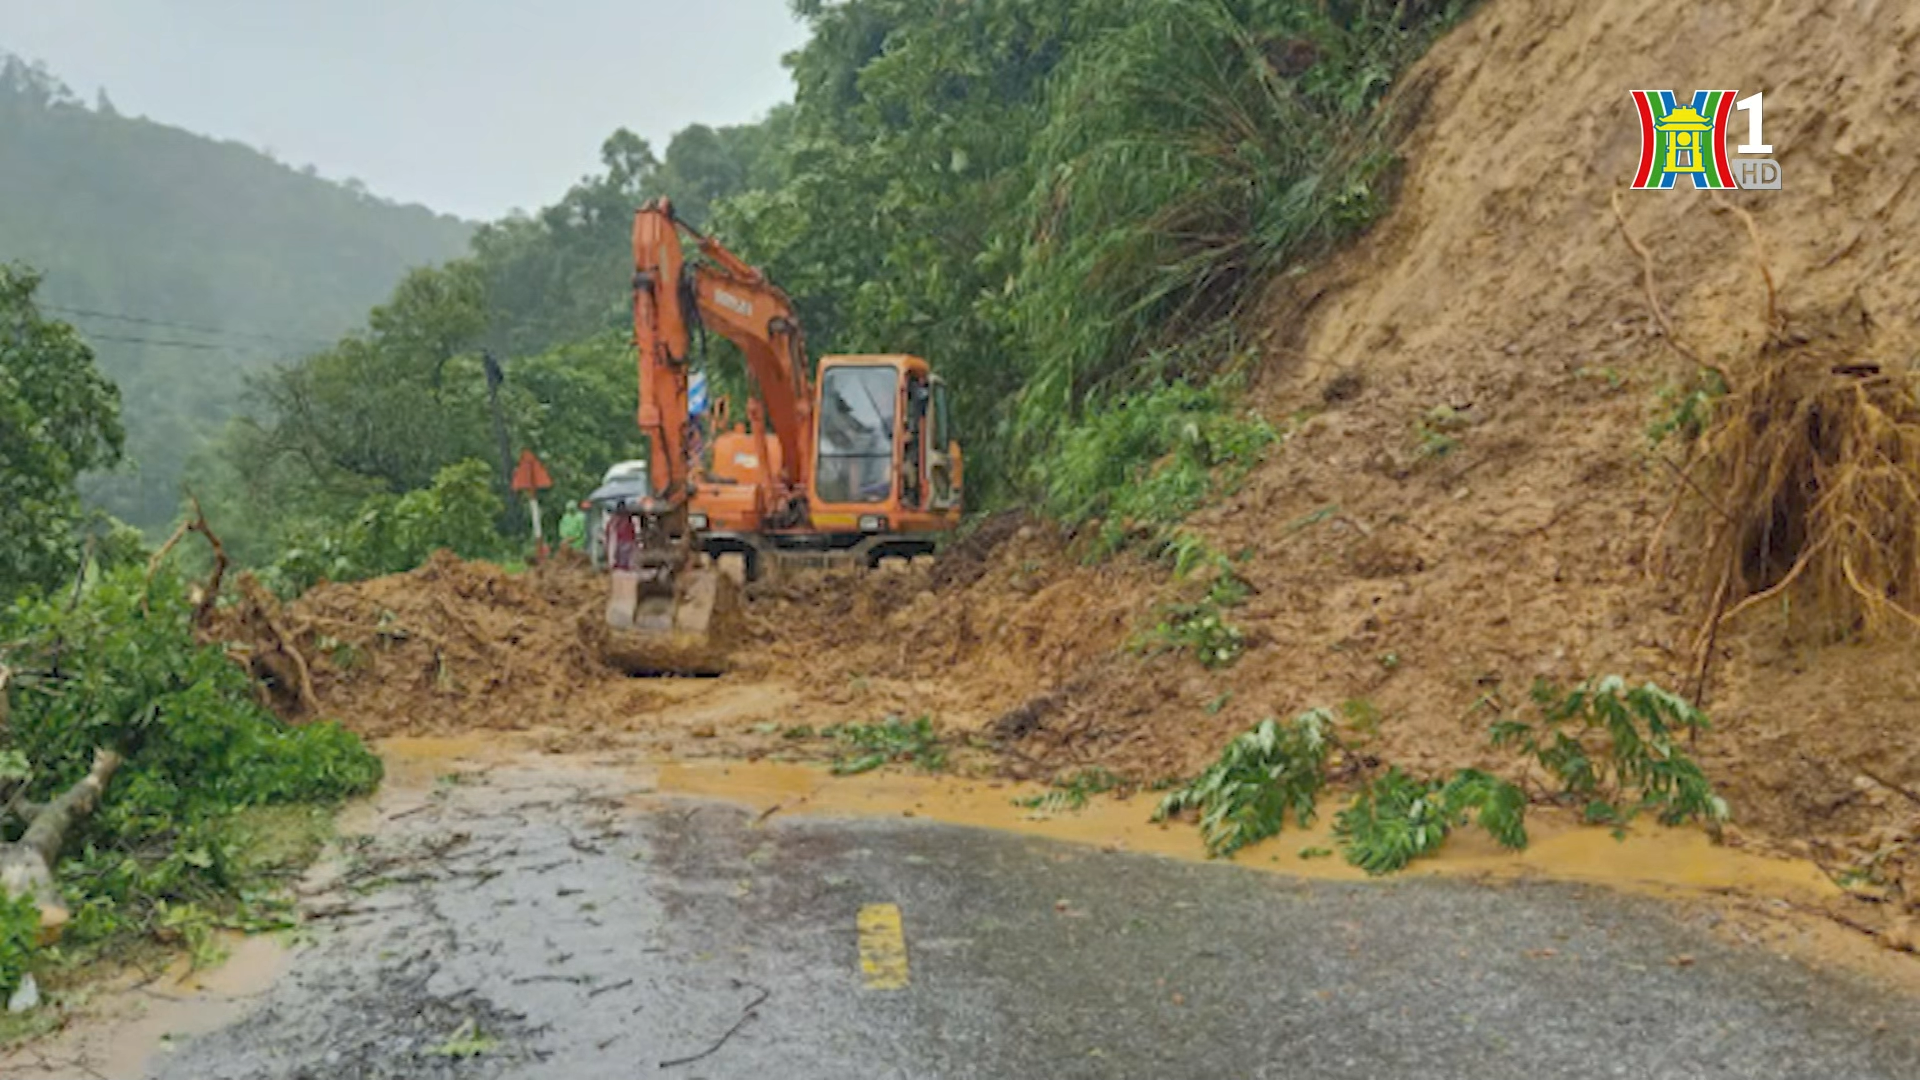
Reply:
x=143 y=320
x=202 y=346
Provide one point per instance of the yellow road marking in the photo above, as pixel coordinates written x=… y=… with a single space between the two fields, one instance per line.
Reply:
x=883 y=947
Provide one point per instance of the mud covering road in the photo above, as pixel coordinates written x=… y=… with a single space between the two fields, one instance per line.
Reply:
x=549 y=922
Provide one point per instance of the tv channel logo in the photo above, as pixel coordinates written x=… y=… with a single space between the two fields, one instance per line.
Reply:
x=1690 y=141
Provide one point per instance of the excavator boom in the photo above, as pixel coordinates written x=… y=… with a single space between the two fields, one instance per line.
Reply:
x=665 y=610
x=723 y=293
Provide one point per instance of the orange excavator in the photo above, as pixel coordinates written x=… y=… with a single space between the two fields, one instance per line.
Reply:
x=855 y=462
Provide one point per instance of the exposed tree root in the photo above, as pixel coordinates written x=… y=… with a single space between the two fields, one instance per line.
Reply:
x=1653 y=298
x=1809 y=469
x=1776 y=319
x=209 y=593
x=1820 y=460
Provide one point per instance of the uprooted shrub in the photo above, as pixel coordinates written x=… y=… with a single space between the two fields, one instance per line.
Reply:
x=1275 y=768
x=1199 y=626
x=869 y=746
x=121 y=669
x=1813 y=461
x=1396 y=818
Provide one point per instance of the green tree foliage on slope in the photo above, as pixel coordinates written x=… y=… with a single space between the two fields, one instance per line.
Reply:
x=458 y=512
x=112 y=663
x=58 y=418
x=564 y=273
x=1064 y=204
x=126 y=216
x=383 y=411
x=1060 y=202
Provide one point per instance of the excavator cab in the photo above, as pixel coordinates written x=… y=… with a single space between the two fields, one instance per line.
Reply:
x=885 y=473
x=886 y=463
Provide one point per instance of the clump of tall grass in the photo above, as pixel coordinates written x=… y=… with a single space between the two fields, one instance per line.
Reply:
x=1192 y=152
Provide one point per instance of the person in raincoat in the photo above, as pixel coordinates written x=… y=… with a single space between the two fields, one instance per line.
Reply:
x=621 y=537
x=573 y=528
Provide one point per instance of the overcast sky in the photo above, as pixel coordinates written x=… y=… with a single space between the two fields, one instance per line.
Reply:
x=470 y=106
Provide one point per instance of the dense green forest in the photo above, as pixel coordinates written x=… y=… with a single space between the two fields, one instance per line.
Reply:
x=186 y=263
x=1065 y=205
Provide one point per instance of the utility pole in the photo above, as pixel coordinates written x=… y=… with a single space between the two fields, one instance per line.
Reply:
x=496 y=376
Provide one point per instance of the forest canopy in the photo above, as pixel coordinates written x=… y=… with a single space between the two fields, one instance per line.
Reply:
x=1065 y=205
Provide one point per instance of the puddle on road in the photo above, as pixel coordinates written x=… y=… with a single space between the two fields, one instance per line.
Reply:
x=130 y=1020
x=1683 y=860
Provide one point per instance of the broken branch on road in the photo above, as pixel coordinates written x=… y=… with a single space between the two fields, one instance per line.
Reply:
x=746 y=1014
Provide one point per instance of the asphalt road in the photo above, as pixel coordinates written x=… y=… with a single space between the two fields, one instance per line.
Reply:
x=530 y=925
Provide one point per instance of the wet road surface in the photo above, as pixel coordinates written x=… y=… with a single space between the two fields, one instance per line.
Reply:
x=551 y=924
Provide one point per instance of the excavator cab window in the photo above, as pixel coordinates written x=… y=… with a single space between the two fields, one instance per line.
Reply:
x=857 y=410
x=940 y=450
x=913 y=458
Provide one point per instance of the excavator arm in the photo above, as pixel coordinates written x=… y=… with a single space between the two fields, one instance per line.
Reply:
x=666 y=612
x=672 y=297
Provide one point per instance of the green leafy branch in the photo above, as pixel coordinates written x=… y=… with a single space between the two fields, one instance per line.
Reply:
x=870 y=746
x=1614 y=749
x=1610 y=747
x=1396 y=819
x=1276 y=768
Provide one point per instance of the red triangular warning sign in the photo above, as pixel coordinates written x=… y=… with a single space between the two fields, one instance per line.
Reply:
x=530 y=475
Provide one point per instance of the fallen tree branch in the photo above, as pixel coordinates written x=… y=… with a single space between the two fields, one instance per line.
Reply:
x=1898 y=789
x=26 y=866
x=284 y=641
x=210 y=593
x=746 y=1014
x=73 y=601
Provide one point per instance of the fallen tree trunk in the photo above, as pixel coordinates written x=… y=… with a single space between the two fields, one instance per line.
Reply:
x=26 y=866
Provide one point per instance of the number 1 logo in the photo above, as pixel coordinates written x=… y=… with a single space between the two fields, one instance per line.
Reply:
x=1690 y=140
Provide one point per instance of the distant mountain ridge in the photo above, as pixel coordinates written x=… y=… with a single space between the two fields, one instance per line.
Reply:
x=188 y=262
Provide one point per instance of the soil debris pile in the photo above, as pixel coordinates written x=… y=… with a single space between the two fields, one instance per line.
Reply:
x=448 y=647
x=1009 y=613
x=1469 y=499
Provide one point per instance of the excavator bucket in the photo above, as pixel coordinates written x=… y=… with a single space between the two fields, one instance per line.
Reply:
x=686 y=629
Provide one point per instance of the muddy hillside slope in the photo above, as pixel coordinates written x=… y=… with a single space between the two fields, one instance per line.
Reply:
x=1472 y=499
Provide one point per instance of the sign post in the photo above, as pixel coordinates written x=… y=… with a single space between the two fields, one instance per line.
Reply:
x=530 y=478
